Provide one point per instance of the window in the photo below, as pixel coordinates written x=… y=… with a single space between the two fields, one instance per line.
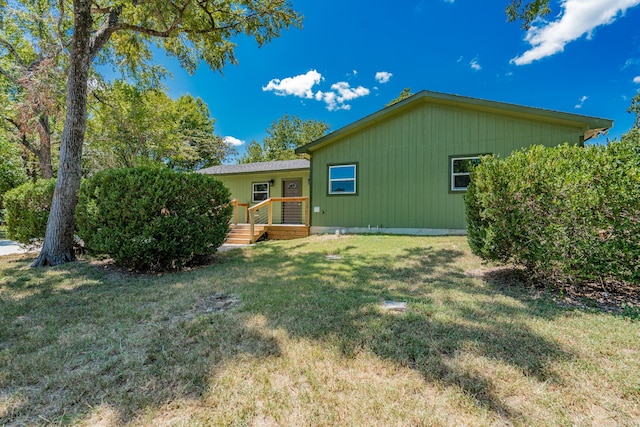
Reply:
x=260 y=192
x=342 y=179
x=460 y=170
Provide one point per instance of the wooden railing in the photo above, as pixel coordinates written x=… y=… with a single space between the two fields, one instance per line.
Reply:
x=237 y=205
x=269 y=205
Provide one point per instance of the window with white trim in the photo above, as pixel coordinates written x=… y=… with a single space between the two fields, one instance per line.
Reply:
x=342 y=179
x=259 y=191
x=461 y=171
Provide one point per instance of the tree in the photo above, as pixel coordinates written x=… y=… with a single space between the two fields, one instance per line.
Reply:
x=283 y=137
x=125 y=32
x=31 y=78
x=132 y=126
x=406 y=93
x=12 y=173
x=634 y=108
x=528 y=12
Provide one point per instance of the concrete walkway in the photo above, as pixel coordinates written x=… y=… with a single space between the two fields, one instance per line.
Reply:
x=8 y=247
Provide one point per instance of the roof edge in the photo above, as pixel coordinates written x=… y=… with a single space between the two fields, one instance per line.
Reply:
x=595 y=125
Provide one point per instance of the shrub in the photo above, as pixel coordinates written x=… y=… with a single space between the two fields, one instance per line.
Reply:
x=567 y=212
x=27 y=210
x=153 y=218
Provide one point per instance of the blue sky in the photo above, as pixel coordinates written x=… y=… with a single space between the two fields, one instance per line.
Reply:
x=353 y=57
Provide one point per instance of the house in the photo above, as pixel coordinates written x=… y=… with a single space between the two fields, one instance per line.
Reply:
x=405 y=168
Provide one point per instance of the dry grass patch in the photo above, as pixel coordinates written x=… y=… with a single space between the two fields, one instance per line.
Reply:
x=278 y=334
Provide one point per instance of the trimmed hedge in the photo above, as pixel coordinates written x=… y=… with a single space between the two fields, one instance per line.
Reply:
x=153 y=219
x=27 y=210
x=567 y=213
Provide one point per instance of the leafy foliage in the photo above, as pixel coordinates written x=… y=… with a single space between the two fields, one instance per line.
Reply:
x=528 y=12
x=12 y=173
x=406 y=93
x=634 y=109
x=132 y=126
x=283 y=137
x=32 y=78
x=27 y=210
x=153 y=218
x=567 y=212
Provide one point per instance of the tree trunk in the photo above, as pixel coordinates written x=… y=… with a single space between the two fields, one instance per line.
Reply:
x=58 y=241
x=44 y=153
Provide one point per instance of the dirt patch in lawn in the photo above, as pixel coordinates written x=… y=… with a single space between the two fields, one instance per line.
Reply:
x=216 y=303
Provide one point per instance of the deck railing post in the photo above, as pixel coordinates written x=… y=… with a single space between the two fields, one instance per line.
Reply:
x=270 y=213
x=234 y=202
x=252 y=223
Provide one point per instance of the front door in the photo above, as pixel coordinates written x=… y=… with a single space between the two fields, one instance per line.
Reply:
x=292 y=211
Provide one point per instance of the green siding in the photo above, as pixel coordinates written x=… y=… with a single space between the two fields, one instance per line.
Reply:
x=241 y=184
x=403 y=164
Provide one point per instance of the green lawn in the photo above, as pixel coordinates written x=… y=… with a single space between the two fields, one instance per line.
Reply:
x=279 y=334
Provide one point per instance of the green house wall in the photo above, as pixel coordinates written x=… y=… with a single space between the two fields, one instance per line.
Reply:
x=403 y=165
x=241 y=186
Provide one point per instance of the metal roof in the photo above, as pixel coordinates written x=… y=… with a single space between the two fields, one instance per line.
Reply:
x=593 y=125
x=279 y=165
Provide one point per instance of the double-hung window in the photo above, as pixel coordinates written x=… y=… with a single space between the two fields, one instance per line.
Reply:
x=461 y=171
x=342 y=179
x=259 y=191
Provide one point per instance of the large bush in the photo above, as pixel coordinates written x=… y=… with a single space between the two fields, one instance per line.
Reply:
x=27 y=210
x=153 y=218
x=567 y=212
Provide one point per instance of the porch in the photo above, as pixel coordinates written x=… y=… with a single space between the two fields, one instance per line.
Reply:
x=250 y=223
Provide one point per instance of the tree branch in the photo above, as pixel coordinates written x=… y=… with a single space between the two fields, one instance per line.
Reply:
x=59 y=24
x=8 y=76
x=13 y=52
x=101 y=37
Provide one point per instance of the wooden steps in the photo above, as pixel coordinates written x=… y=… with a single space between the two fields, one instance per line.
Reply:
x=240 y=233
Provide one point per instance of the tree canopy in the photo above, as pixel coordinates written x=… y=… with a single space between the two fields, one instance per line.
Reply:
x=32 y=67
x=283 y=137
x=131 y=126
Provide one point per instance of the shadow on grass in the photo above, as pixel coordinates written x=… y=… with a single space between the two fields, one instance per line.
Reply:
x=77 y=337
x=339 y=301
x=130 y=341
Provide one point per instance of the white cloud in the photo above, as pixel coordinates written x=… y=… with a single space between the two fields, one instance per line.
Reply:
x=632 y=62
x=383 y=76
x=348 y=93
x=636 y=79
x=579 y=17
x=340 y=94
x=475 y=65
x=581 y=103
x=300 y=85
x=234 y=142
x=330 y=98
